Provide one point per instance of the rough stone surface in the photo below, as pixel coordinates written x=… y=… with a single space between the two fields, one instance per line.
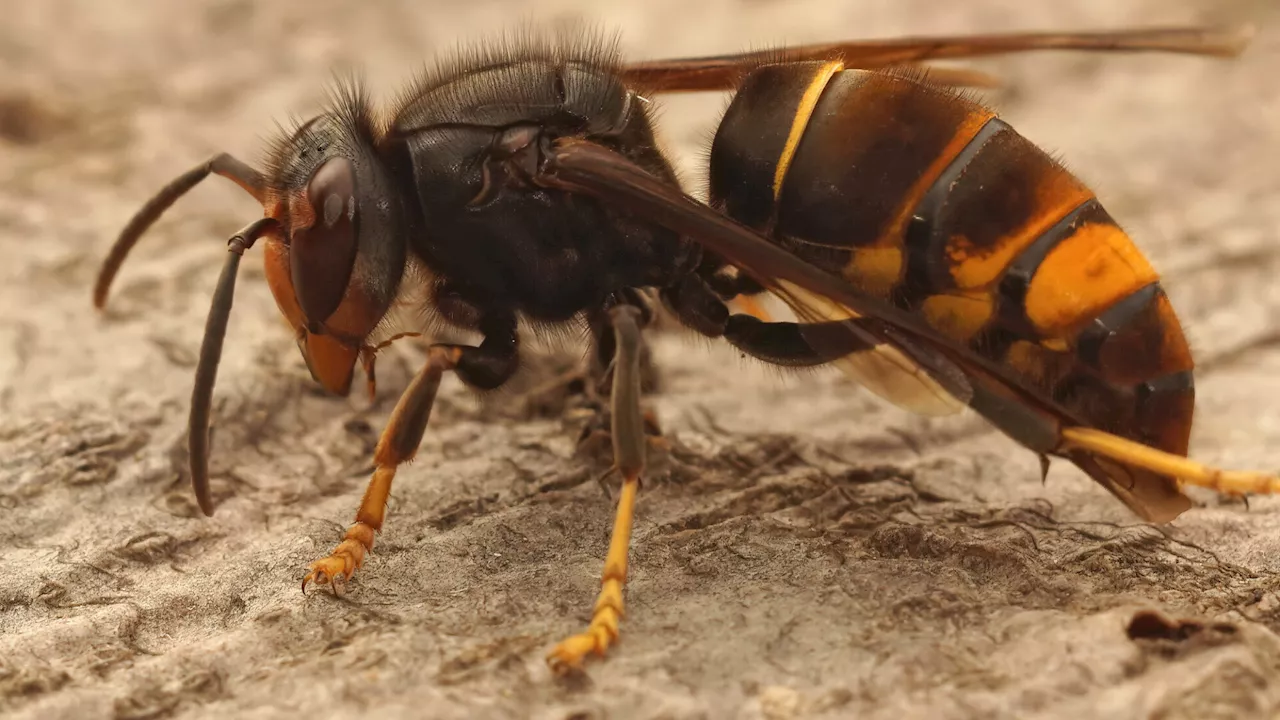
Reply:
x=811 y=553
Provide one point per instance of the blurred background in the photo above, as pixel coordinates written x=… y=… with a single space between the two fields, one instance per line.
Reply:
x=116 y=601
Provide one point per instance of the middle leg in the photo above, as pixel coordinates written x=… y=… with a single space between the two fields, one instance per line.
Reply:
x=629 y=446
x=584 y=389
x=697 y=306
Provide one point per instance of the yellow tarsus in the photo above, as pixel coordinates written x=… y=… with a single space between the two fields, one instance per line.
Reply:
x=603 y=629
x=1190 y=472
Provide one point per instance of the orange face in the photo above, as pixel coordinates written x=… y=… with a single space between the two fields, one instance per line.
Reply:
x=331 y=361
x=313 y=275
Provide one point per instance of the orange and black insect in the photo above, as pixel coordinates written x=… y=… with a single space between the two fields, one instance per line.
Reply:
x=926 y=248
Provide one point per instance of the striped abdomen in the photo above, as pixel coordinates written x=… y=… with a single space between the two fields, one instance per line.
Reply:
x=922 y=197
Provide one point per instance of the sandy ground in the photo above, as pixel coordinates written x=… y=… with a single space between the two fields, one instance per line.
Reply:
x=811 y=553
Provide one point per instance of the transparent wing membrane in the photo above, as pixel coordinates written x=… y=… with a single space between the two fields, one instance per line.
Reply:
x=886 y=370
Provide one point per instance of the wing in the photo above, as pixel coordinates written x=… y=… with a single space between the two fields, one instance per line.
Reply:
x=722 y=72
x=918 y=381
x=1146 y=479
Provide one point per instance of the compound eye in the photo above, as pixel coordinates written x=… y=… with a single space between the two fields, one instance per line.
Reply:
x=323 y=254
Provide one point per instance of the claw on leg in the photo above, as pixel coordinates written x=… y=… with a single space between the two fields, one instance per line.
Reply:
x=345 y=559
x=602 y=632
x=348 y=557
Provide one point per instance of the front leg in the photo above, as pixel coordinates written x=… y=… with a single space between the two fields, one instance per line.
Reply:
x=487 y=366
